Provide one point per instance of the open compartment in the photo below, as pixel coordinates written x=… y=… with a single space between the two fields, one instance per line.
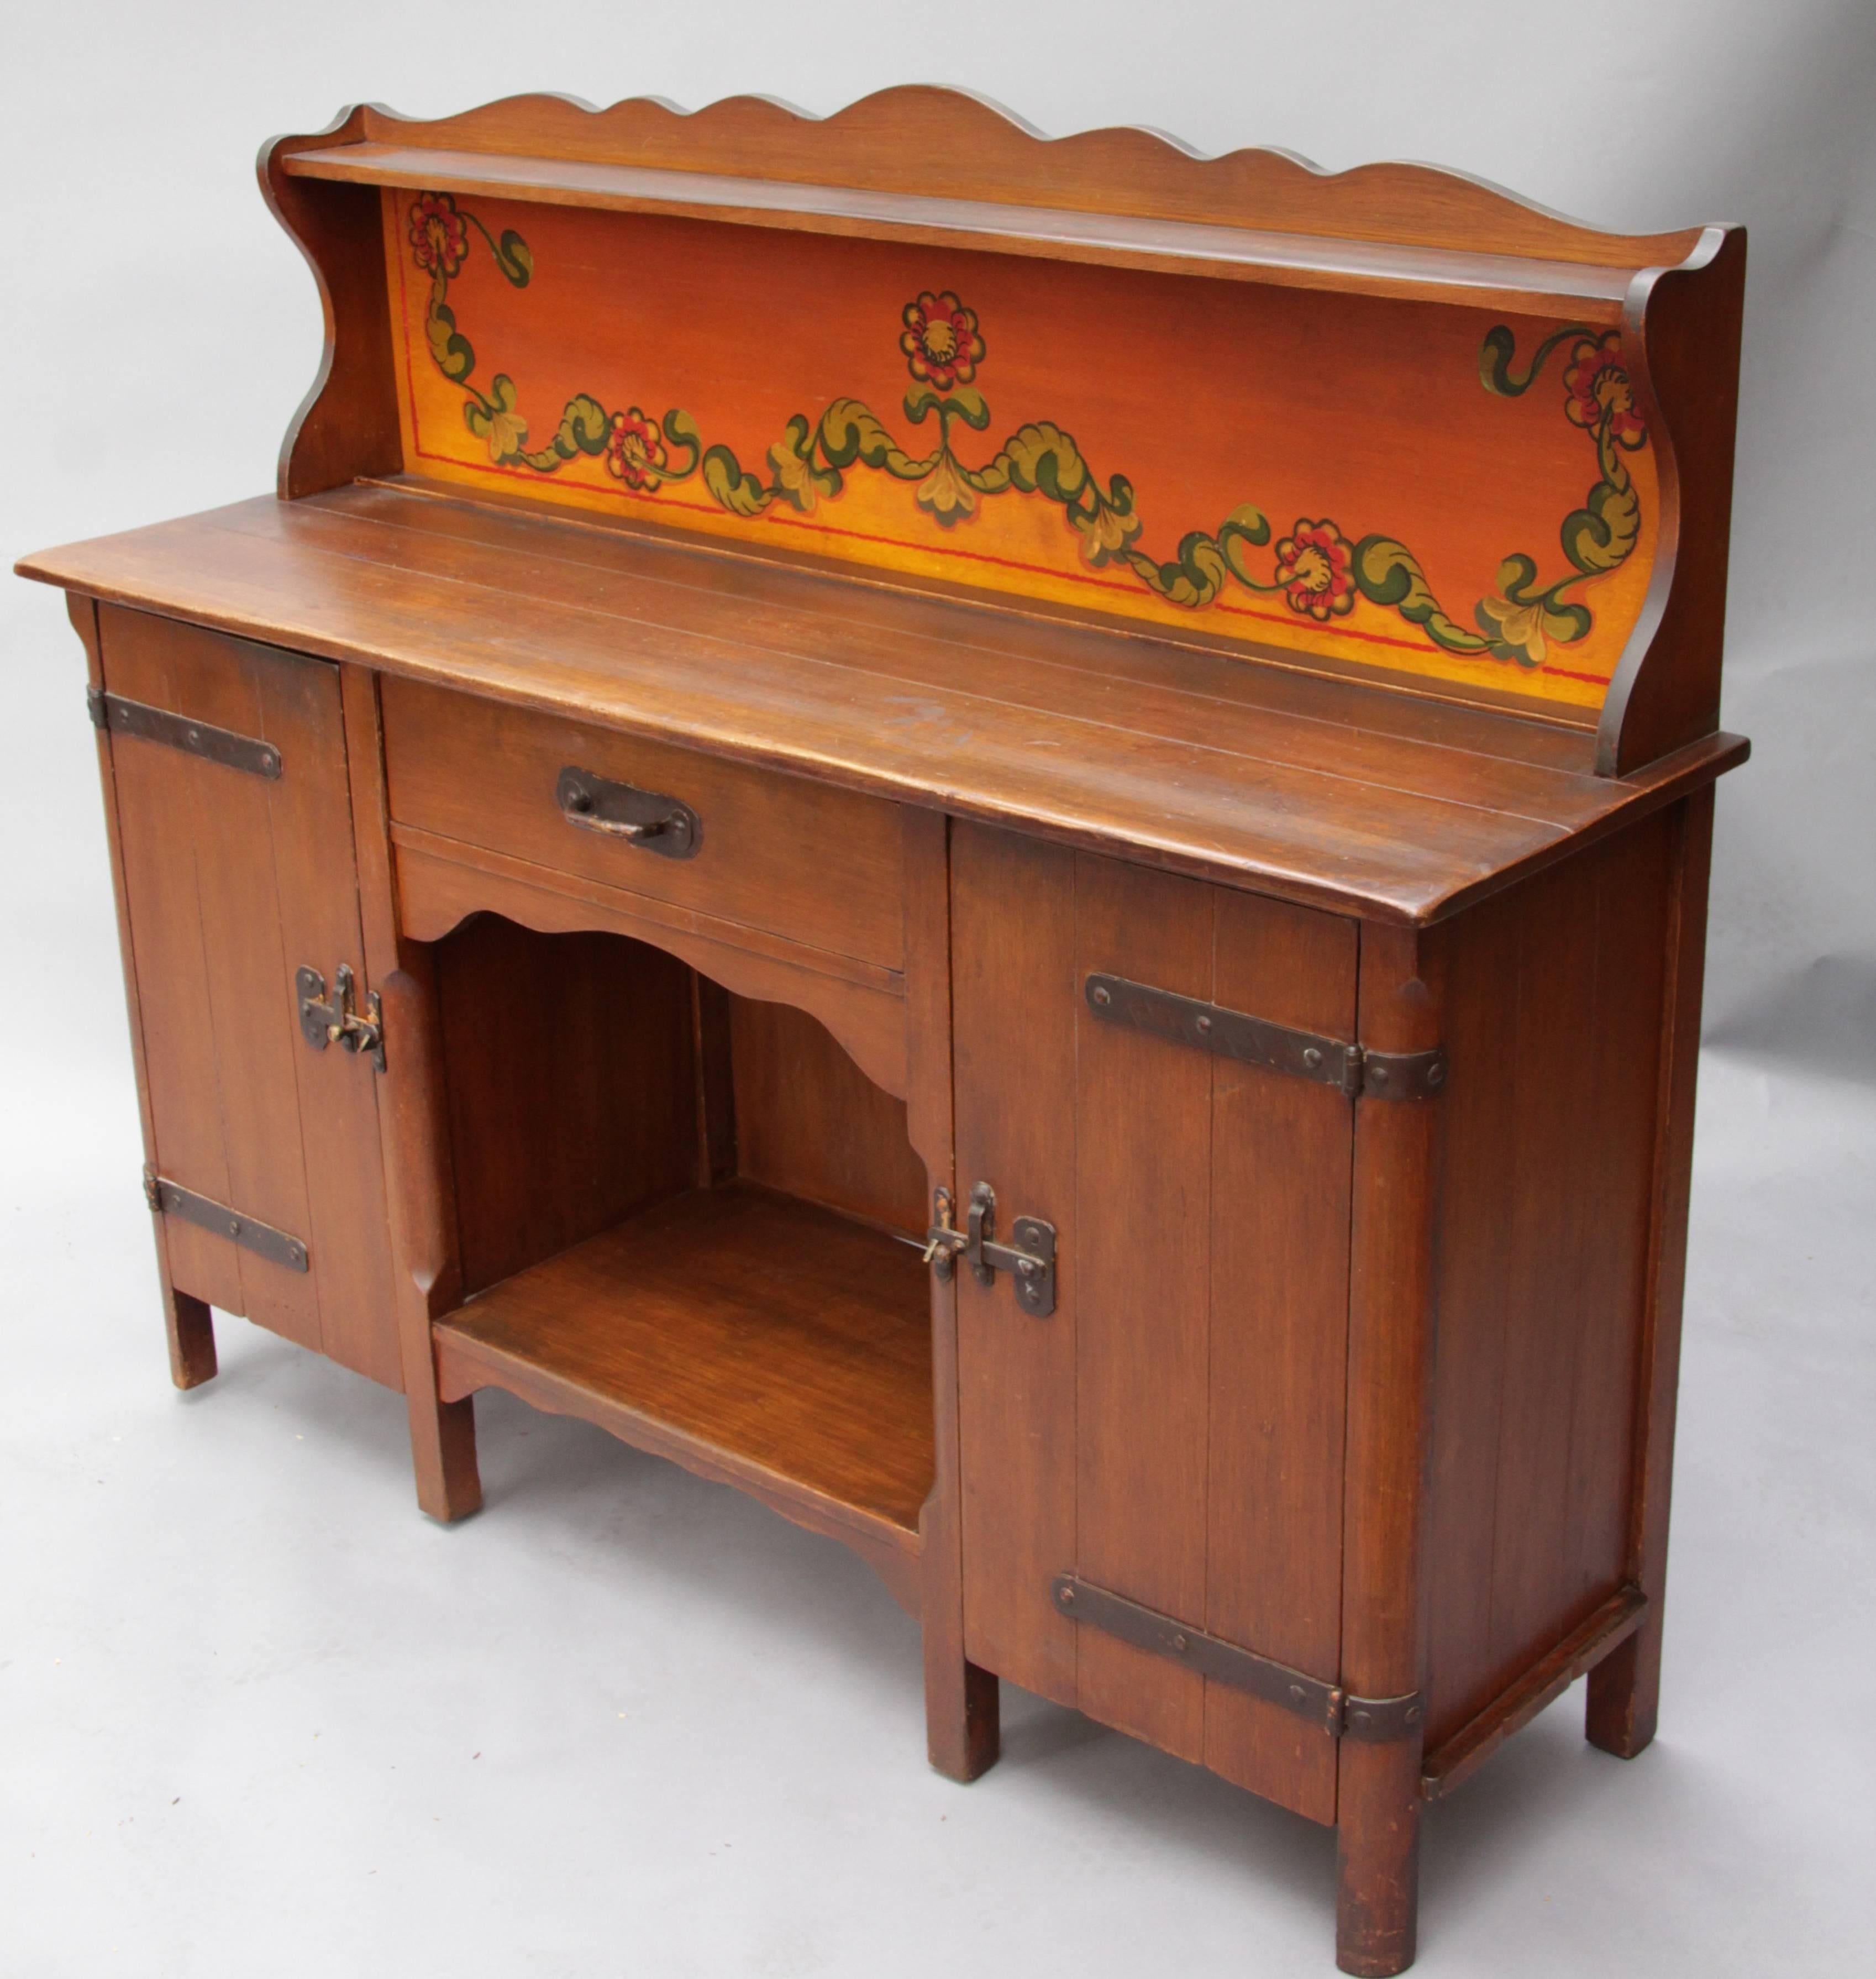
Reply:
x=690 y=1218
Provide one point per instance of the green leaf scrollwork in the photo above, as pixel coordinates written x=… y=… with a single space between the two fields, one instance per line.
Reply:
x=1315 y=571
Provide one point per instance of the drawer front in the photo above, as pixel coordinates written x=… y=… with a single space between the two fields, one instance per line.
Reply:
x=804 y=860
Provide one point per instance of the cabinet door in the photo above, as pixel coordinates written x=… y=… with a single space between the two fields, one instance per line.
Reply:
x=1173 y=1433
x=232 y=881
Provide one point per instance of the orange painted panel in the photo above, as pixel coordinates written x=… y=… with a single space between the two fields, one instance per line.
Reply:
x=1438 y=491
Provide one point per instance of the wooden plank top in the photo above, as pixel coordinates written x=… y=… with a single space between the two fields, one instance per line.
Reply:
x=1357 y=797
x=1587 y=291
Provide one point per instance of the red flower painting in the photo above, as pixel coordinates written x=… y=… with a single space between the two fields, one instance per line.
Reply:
x=634 y=453
x=1596 y=387
x=940 y=341
x=439 y=233
x=1313 y=567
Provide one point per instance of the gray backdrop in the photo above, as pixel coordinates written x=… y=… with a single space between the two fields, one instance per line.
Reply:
x=210 y=1566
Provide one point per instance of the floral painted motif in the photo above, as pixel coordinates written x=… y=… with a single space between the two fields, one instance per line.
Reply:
x=1597 y=388
x=634 y=452
x=1521 y=622
x=1518 y=627
x=1315 y=569
x=438 y=234
x=940 y=341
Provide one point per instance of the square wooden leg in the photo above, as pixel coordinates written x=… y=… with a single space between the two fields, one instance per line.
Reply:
x=963 y=1735
x=413 y=1115
x=1625 y=1687
x=442 y=1447
x=191 y=1329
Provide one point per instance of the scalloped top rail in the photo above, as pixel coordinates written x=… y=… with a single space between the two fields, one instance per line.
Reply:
x=1591 y=291
x=912 y=139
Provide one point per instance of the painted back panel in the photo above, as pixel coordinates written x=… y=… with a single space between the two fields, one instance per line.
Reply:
x=1437 y=492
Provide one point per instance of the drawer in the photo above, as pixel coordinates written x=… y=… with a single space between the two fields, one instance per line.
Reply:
x=806 y=861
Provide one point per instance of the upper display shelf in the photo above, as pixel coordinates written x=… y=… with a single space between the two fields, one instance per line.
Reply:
x=1591 y=291
x=1390 y=421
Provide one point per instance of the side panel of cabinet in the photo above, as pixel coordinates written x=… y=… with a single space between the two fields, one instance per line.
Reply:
x=1556 y=988
x=1173 y=1431
x=232 y=881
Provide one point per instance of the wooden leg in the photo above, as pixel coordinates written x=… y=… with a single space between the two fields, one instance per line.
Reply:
x=411 y=1112
x=963 y=1735
x=191 y=1330
x=412 y=1126
x=1390 y=1381
x=1624 y=1692
x=186 y=1319
x=443 y=1452
x=1377 y=1856
x=1625 y=1687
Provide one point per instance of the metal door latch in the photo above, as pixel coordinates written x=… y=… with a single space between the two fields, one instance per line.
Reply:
x=337 y=1021
x=1029 y=1257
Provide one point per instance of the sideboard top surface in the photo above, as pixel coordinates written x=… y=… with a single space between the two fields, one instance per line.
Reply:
x=1334 y=792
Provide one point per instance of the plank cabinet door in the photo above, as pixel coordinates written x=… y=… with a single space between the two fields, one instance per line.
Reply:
x=232 y=881
x=1173 y=1433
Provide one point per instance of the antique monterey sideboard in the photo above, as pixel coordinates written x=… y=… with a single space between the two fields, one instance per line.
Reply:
x=1005 y=839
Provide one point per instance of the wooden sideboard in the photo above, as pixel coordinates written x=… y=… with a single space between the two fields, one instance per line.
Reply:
x=1098 y=1000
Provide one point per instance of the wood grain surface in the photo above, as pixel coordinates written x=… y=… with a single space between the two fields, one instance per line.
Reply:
x=1365 y=802
x=1555 y=997
x=757 y=1340
x=1173 y=1432
x=569 y=1070
x=886 y=141
x=794 y=857
x=232 y=882
x=1590 y=291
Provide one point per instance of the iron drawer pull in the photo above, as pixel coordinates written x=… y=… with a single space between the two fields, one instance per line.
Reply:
x=664 y=825
x=616 y=827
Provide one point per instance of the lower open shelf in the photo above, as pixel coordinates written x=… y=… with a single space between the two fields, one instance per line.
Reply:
x=753 y=1338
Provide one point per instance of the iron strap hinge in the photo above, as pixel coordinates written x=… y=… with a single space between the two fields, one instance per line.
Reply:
x=1351 y=1068
x=170 y=1199
x=1029 y=1256
x=337 y=1021
x=1376 y=1719
x=112 y=713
